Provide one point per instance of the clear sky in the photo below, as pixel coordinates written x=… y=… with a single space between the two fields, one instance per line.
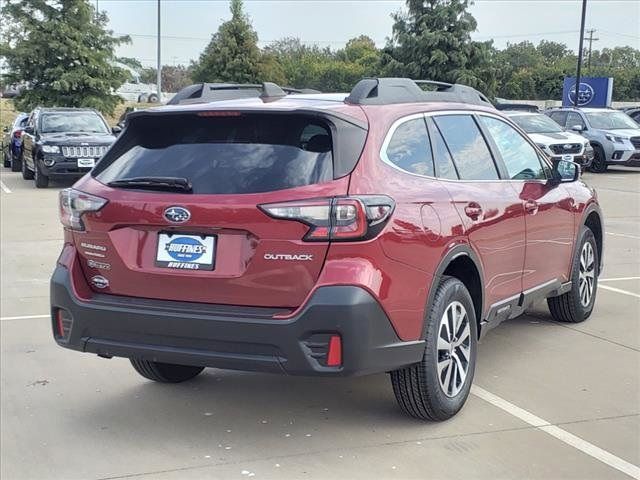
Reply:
x=188 y=24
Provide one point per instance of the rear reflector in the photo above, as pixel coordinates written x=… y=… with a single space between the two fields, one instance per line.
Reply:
x=64 y=322
x=334 y=355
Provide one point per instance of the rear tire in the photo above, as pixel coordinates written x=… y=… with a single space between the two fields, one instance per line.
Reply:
x=26 y=173
x=16 y=163
x=576 y=305
x=437 y=387
x=6 y=159
x=42 y=181
x=599 y=164
x=164 y=372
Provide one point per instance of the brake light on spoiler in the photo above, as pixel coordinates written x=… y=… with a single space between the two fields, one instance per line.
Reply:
x=338 y=218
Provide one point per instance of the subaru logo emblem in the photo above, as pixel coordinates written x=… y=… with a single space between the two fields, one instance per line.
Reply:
x=177 y=214
x=99 y=281
x=585 y=94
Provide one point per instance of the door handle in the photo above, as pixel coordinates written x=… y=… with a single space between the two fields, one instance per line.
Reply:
x=473 y=210
x=531 y=207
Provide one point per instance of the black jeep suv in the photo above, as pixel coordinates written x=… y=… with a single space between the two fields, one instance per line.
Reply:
x=63 y=143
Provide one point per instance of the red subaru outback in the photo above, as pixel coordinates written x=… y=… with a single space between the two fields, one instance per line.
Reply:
x=330 y=235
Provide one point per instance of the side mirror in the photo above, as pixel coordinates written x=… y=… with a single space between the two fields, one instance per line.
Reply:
x=116 y=130
x=578 y=128
x=564 y=171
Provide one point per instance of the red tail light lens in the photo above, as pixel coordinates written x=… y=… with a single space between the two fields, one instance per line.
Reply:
x=74 y=204
x=337 y=219
x=17 y=134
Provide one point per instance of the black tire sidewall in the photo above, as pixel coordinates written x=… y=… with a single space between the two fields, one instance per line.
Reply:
x=42 y=181
x=599 y=164
x=451 y=290
x=586 y=235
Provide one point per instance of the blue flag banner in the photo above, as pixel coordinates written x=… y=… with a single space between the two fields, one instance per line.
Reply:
x=594 y=92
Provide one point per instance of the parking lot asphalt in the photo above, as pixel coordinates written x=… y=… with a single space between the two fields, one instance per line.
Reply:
x=550 y=400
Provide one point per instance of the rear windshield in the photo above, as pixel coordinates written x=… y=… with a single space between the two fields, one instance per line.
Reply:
x=224 y=155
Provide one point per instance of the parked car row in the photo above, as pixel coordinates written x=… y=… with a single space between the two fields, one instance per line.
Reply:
x=56 y=143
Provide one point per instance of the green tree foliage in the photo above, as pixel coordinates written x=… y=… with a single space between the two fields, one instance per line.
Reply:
x=62 y=51
x=174 y=77
x=232 y=54
x=432 y=40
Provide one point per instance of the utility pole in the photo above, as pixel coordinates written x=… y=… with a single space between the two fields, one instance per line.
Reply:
x=97 y=10
x=591 y=40
x=578 y=73
x=159 y=65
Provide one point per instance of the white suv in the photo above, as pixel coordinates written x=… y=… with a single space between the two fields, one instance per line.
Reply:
x=552 y=139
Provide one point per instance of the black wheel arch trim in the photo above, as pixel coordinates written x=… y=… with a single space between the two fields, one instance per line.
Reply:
x=460 y=250
x=593 y=207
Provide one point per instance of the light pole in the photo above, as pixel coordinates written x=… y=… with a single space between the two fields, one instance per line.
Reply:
x=578 y=74
x=159 y=66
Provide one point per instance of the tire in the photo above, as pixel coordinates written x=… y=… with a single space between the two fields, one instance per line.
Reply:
x=164 y=372
x=153 y=98
x=419 y=389
x=42 y=181
x=26 y=173
x=573 y=307
x=16 y=163
x=142 y=98
x=6 y=159
x=599 y=164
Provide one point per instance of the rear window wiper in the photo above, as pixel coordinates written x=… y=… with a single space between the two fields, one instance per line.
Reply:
x=154 y=183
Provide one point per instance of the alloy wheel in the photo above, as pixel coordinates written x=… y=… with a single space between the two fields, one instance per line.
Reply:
x=454 y=349
x=586 y=278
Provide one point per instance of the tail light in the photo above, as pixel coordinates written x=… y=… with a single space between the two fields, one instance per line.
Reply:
x=339 y=218
x=74 y=204
x=17 y=134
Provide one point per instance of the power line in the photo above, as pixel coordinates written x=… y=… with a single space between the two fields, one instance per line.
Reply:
x=591 y=40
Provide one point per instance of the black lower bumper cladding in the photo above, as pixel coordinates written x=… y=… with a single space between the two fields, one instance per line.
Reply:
x=240 y=338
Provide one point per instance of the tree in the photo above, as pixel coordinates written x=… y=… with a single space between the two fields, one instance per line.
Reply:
x=232 y=54
x=174 y=78
x=61 y=50
x=432 y=40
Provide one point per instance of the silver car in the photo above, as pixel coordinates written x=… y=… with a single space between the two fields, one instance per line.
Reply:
x=614 y=135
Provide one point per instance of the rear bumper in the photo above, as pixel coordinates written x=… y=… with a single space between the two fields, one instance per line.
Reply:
x=237 y=338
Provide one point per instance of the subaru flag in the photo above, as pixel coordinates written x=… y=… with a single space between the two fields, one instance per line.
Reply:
x=594 y=92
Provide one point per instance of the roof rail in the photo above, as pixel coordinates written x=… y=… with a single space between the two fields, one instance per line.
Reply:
x=384 y=91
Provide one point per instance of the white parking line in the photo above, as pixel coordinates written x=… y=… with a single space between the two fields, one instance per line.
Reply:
x=618 y=290
x=622 y=235
x=619 y=279
x=557 y=432
x=25 y=317
x=5 y=189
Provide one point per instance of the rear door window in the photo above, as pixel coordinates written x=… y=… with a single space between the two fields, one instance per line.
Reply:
x=442 y=158
x=409 y=148
x=233 y=154
x=467 y=146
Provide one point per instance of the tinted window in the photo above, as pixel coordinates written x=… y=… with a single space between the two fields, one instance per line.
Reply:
x=85 y=122
x=519 y=156
x=442 y=157
x=574 y=119
x=409 y=148
x=224 y=155
x=467 y=146
x=559 y=117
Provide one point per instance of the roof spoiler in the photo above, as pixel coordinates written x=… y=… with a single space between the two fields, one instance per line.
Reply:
x=386 y=91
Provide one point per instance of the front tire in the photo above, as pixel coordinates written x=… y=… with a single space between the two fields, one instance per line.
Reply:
x=576 y=305
x=26 y=173
x=437 y=387
x=164 y=372
x=6 y=159
x=599 y=164
x=42 y=181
